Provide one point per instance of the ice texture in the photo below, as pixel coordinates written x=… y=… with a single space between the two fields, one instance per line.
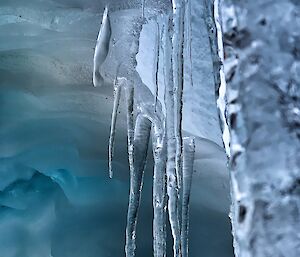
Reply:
x=261 y=58
x=56 y=198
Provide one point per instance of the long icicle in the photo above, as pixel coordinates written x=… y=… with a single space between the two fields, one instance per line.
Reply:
x=117 y=94
x=141 y=141
x=129 y=95
x=188 y=39
x=156 y=66
x=187 y=174
x=159 y=192
x=177 y=63
x=172 y=186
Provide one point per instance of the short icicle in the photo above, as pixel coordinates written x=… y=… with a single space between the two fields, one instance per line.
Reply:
x=140 y=143
x=117 y=94
x=102 y=48
x=187 y=174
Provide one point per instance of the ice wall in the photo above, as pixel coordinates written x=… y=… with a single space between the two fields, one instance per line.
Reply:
x=262 y=72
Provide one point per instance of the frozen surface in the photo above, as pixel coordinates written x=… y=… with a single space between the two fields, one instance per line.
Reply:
x=262 y=71
x=56 y=198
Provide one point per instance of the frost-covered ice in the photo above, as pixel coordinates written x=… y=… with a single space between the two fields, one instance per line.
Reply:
x=55 y=195
x=262 y=52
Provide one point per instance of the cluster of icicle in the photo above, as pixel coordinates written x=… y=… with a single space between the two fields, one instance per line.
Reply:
x=173 y=153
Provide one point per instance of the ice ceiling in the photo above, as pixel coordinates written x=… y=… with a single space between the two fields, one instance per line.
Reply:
x=56 y=197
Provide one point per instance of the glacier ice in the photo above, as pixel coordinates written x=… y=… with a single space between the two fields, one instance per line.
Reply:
x=56 y=199
x=261 y=41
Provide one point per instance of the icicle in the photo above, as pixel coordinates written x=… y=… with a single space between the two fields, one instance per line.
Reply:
x=129 y=94
x=157 y=48
x=102 y=48
x=141 y=140
x=117 y=94
x=188 y=39
x=159 y=192
x=172 y=191
x=177 y=63
x=172 y=186
x=187 y=173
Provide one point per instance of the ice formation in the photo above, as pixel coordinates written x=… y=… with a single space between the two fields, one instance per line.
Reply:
x=56 y=199
x=160 y=116
x=160 y=85
x=142 y=115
